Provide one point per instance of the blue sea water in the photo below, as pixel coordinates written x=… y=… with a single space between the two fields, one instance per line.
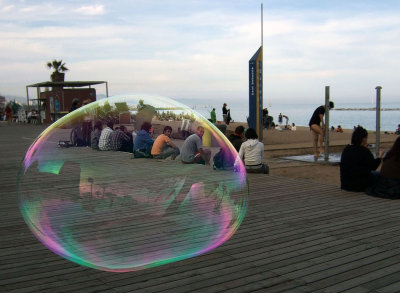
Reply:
x=300 y=114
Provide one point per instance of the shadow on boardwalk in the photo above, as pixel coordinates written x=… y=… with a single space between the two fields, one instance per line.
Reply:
x=297 y=236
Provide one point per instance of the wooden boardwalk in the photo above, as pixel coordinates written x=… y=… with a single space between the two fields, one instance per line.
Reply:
x=297 y=236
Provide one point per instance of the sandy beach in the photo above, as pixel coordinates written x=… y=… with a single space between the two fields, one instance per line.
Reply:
x=283 y=143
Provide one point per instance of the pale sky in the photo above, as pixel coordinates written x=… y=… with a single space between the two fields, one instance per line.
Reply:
x=200 y=49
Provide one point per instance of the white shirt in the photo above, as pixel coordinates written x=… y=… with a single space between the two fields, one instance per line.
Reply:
x=252 y=151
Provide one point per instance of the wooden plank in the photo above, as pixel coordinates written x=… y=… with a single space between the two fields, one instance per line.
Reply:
x=297 y=236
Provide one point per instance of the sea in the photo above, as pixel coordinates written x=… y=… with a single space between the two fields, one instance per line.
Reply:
x=347 y=115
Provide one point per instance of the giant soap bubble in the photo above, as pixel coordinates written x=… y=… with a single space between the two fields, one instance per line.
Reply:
x=110 y=211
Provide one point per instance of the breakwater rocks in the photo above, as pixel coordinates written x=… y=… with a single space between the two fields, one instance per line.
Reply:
x=365 y=109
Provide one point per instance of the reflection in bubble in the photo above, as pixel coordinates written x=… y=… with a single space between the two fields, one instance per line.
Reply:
x=115 y=211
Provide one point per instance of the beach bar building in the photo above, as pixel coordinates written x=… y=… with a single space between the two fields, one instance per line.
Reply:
x=56 y=98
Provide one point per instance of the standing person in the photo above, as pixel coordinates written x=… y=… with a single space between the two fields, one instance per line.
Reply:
x=388 y=184
x=317 y=127
x=143 y=142
x=252 y=152
x=95 y=135
x=236 y=138
x=105 y=137
x=228 y=117
x=224 y=112
x=357 y=163
x=163 y=147
x=192 y=149
x=280 y=119
x=213 y=116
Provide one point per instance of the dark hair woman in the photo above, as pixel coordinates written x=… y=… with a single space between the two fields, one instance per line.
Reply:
x=357 y=164
x=252 y=152
x=388 y=184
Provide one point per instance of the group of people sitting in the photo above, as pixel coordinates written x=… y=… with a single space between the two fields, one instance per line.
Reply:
x=338 y=129
x=358 y=167
x=143 y=146
x=251 y=151
x=118 y=139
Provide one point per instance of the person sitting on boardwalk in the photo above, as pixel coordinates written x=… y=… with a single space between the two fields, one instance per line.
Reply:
x=163 y=147
x=143 y=142
x=317 y=127
x=236 y=138
x=388 y=184
x=192 y=149
x=357 y=163
x=120 y=140
x=105 y=137
x=95 y=135
x=252 y=152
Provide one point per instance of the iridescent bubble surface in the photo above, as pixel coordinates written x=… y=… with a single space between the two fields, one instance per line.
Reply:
x=110 y=211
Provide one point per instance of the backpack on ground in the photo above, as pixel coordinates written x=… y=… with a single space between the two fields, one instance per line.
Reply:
x=223 y=160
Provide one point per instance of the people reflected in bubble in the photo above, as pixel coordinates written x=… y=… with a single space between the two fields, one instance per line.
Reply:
x=143 y=142
x=105 y=137
x=163 y=146
x=114 y=211
x=193 y=151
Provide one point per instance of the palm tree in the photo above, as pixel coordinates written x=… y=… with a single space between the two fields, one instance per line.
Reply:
x=59 y=69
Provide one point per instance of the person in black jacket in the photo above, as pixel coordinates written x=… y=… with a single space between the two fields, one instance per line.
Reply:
x=236 y=138
x=357 y=164
x=317 y=127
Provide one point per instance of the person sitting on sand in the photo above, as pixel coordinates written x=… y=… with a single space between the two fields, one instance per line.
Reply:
x=357 y=163
x=339 y=129
x=398 y=129
x=388 y=183
x=192 y=149
x=317 y=127
x=163 y=147
x=252 y=152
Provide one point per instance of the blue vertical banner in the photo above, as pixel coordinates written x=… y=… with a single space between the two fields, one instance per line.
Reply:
x=256 y=93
